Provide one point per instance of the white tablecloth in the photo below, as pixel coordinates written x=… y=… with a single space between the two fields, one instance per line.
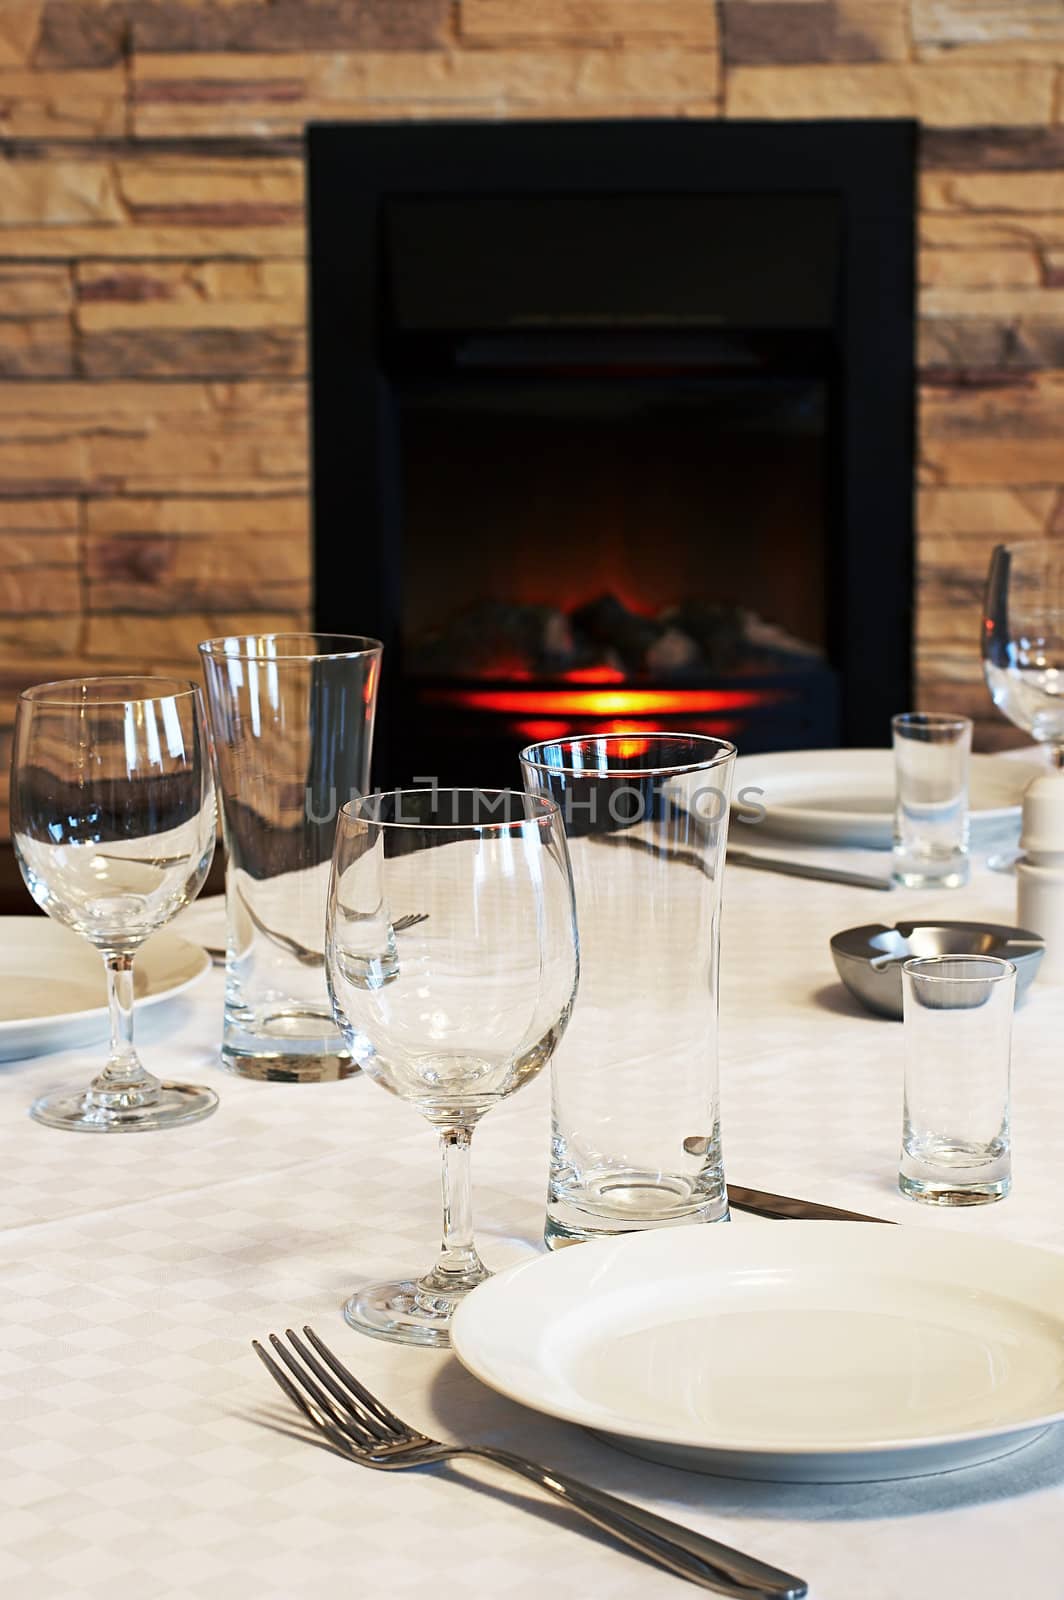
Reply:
x=134 y=1463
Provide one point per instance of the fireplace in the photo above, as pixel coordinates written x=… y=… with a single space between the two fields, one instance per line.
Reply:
x=612 y=429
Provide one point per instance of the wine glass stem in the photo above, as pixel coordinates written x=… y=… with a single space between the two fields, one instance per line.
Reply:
x=123 y=1069
x=458 y=1265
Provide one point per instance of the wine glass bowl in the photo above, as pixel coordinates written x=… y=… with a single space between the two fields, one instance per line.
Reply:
x=452 y=965
x=113 y=824
x=1023 y=639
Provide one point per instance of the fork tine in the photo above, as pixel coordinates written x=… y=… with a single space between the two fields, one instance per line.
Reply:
x=359 y=1390
x=359 y=1413
x=351 y=1426
x=317 y=1419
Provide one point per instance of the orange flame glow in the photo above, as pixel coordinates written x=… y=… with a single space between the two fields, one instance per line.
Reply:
x=625 y=703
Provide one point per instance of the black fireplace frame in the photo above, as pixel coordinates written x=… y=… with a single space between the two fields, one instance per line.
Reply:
x=870 y=166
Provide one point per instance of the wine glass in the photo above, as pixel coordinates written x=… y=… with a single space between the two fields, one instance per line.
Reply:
x=452 y=961
x=1023 y=639
x=113 y=821
x=1023 y=648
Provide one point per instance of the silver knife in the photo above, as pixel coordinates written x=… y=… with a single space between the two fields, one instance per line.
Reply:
x=782 y=1207
x=807 y=869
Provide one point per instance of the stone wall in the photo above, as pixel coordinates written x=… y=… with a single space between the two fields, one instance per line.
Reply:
x=153 y=466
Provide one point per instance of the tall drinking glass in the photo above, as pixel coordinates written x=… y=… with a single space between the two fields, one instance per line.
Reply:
x=452 y=966
x=292 y=715
x=113 y=819
x=634 y=1090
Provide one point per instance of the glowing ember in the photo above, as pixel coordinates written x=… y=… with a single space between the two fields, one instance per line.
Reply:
x=603 y=702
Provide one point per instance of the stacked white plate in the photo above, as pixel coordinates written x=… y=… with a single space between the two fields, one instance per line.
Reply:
x=846 y=797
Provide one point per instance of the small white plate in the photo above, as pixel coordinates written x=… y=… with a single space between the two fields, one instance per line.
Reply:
x=847 y=796
x=53 y=993
x=811 y=1351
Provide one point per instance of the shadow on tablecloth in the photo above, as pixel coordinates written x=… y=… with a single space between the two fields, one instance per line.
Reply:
x=468 y=1411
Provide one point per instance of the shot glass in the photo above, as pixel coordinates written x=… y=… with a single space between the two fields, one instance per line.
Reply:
x=955 y=1148
x=931 y=800
x=292 y=717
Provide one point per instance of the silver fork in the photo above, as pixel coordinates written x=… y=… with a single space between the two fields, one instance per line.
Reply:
x=360 y=1427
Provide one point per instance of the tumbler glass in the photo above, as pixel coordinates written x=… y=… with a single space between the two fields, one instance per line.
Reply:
x=955 y=1148
x=634 y=1092
x=931 y=800
x=292 y=716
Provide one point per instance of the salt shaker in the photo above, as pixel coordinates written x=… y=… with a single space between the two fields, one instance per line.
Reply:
x=1040 y=871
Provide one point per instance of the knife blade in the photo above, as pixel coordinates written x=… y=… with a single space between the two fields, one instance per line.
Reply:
x=807 y=869
x=782 y=1207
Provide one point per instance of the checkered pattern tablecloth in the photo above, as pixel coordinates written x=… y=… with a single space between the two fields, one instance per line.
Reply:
x=143 y=1451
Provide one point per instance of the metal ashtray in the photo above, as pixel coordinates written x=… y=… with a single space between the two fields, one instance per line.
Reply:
x=869 y=959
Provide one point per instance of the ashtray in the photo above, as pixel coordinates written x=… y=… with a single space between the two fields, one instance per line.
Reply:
x=869 y=959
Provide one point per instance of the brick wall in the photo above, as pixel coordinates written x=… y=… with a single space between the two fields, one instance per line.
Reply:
x=152 y=423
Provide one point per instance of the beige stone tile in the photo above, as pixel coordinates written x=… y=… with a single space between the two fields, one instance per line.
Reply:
x=19 y=23
x=55 y=190
x=60 y=404
x=36 y=347
x=994 y=437
x=176 y=241
x=43 y=588
x=1004 y=25
x=244 y=186
x=25 y=638
x=943 y=514
x=39 y=517
x=174 y=639
x=940 y=95
x=259 y=95
x=33 y=290
x=990 y=230
x=979 y=269
x=956 y=300
x=189 y=517
x=1001 y=192
x=38 y=551
x=105 y=315
x=489 y=22
x=62 y=105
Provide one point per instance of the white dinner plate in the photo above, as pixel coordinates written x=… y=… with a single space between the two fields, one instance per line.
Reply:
x=812 y=1351
x=847 y=796
x=53 y=993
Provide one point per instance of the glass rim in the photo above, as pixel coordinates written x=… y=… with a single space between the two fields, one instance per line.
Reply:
x=361 y=644
x=725 y=750
x=543 y=809
x=1004 y=968
x=1049 y=547
x=930 y=719
x=52 y=693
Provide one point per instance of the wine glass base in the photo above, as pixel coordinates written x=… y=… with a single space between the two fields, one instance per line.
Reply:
x=78 y=1109
x=403 y=1313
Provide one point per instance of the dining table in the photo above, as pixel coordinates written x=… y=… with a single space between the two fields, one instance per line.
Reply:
x=146 y=1455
